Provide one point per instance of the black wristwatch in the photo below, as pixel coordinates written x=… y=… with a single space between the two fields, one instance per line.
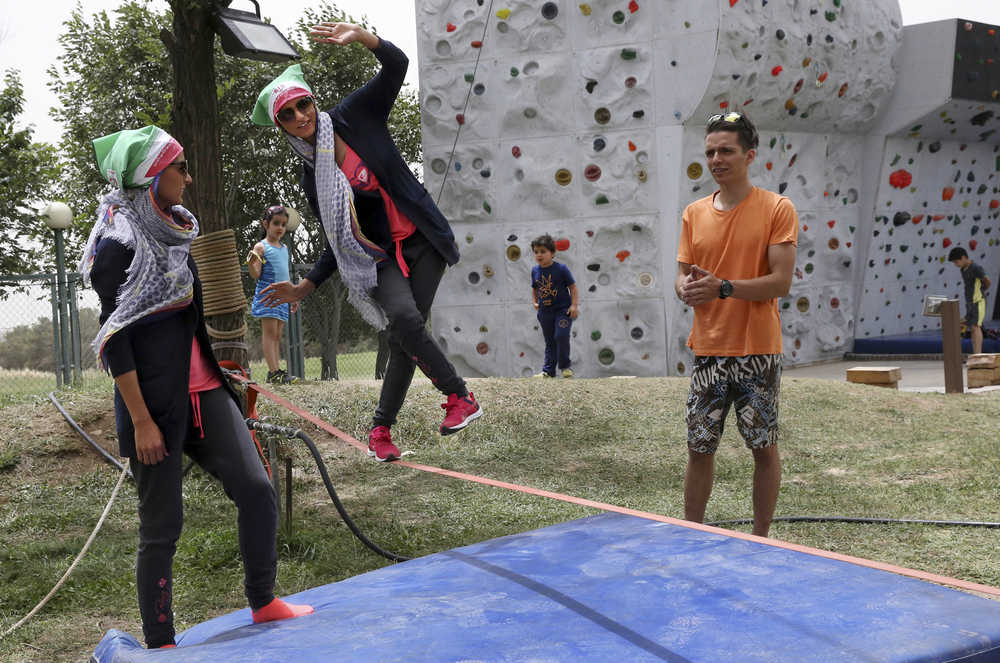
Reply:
x=725 y=289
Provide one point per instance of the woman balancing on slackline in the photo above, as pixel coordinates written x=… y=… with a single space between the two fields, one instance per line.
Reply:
x=384 y=234
x=171 y=398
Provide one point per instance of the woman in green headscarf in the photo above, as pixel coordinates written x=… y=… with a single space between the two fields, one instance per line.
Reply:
x=385 y=236
x=171 y=397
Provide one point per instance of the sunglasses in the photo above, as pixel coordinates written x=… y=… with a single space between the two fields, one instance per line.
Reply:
x=732 y=116
x=288 y=114
x=182 y=166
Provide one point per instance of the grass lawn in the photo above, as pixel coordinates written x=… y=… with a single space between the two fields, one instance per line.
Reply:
x=848 y=450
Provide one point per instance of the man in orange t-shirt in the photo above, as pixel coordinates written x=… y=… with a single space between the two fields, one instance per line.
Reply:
x=735 y=259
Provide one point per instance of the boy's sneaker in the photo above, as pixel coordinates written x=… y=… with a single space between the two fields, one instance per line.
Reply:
x=543 y=374
x=460 y=412
x=380 y=445
x=567 y=372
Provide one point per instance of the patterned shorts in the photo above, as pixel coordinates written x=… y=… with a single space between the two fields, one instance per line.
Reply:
x=751 y=383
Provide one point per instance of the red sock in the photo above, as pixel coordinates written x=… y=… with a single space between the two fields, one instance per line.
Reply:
x=278 y=609
x=167 y=647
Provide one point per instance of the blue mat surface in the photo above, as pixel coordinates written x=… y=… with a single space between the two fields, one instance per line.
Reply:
x=606 y=588
x=926 y=342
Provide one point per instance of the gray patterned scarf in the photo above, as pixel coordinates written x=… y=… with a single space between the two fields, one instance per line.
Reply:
x=158 y=278
x=356 y=255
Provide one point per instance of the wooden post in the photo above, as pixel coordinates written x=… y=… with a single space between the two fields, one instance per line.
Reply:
x=288 y=496
x=951 y=340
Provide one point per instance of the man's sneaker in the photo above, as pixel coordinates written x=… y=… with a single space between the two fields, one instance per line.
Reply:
x=380 y=444
x=567 y=372
x=460 y=412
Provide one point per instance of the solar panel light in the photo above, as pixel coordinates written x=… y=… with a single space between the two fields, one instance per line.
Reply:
x=245 y=35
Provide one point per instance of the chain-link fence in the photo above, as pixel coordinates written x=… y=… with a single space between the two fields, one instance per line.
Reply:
x=45 y=333
x=324 y=339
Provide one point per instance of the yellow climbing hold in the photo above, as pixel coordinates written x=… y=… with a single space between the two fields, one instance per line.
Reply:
x=503 y=14
x=585 y=9
x=694 y=170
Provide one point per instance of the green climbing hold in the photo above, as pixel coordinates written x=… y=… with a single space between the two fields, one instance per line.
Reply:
x=618 y=17
x=831 y=16
x=895 y=160
x=628 y=54
x=606 y=356
x=514 y=72
x=601 y=200
x=486 y=206
x=773 y=141
x=595 y=335
x=469 y=78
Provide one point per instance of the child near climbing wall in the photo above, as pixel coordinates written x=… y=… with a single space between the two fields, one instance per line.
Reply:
x=976 y=281
x=268 y=262
x=554 y=295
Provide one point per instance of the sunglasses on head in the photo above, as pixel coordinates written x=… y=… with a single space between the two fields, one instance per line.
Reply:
x=288 y=114
x=182 y=166
x=731 y=116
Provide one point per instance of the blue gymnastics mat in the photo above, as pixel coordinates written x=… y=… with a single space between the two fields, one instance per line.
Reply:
x=606 y=588
x=927 y=342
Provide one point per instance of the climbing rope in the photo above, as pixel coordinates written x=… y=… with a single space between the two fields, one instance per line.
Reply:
x=72 y=567
x=219 y=271
x=465 y=107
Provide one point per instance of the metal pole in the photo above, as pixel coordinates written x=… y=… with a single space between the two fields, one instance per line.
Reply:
x=288 y=496
x=272 y=455
x=63 y=312
x=951 y=341
x=74 y=316
x=56 y=350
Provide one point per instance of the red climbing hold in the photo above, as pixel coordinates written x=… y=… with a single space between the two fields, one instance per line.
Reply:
x=948 y=193
x=631 y=146
x=945 y=243
x=972 y=244
x=450 y=27
x=831 y=223
x=733 y=2
x=621 y=255
x=918 y=218
x=633 y=6
x=769 y=165
x=460 y=118
x=516 y=151
x=822 y=77
x=900 y=179
x=724 y=105
x=777 y=70
x=477 y=44
x=994 y=204
x=562 y=244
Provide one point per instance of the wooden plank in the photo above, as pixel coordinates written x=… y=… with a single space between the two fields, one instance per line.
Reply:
x=983 y=377
x=874 y=374
x=983 y=361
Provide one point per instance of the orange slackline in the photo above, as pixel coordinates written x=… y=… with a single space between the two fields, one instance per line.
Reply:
x=859 y=561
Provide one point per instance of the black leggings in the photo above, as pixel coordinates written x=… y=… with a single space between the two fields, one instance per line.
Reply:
x=407 y=303
x=227 y=452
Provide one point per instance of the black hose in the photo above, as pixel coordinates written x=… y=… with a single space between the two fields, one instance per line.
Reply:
x=98 y=448
x=845 y=519
x=321 y=466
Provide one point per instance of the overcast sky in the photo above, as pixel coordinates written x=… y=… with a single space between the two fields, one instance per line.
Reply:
x=28 y=36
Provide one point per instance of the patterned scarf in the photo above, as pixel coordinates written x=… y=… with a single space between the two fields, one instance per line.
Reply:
x=158 y=278
x=356 y=255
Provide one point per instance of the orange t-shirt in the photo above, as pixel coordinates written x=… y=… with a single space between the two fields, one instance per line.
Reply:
x=733 y=245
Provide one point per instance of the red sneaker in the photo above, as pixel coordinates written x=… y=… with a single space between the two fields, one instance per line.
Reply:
x=460 y=412
x=380 y=444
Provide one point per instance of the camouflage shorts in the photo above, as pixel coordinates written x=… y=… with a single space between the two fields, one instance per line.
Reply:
x=751 y=383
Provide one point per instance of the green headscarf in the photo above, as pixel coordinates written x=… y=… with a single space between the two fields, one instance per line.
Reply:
x=132 y=158
x=290 y=85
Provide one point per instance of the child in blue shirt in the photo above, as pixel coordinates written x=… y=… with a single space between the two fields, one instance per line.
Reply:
x=554 y=294
x=268 y=263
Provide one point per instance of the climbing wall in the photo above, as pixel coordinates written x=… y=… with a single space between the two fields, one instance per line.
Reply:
x=939 y=186
x=586 y=121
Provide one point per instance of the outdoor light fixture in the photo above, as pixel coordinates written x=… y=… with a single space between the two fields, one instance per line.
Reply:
x=57 y=216
x=294 y=219
x=245 y=35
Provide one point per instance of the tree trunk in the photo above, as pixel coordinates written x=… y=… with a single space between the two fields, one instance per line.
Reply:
x=333 y=299
x=194 y=118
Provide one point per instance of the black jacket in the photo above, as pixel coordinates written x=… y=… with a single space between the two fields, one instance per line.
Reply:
x=157 y=347
x=361 y=119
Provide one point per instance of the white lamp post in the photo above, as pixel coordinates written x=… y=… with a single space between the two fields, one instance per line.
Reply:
x=59 y=217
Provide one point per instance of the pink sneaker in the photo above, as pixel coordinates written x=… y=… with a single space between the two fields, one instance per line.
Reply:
x=380 y=444
x=460 y=413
